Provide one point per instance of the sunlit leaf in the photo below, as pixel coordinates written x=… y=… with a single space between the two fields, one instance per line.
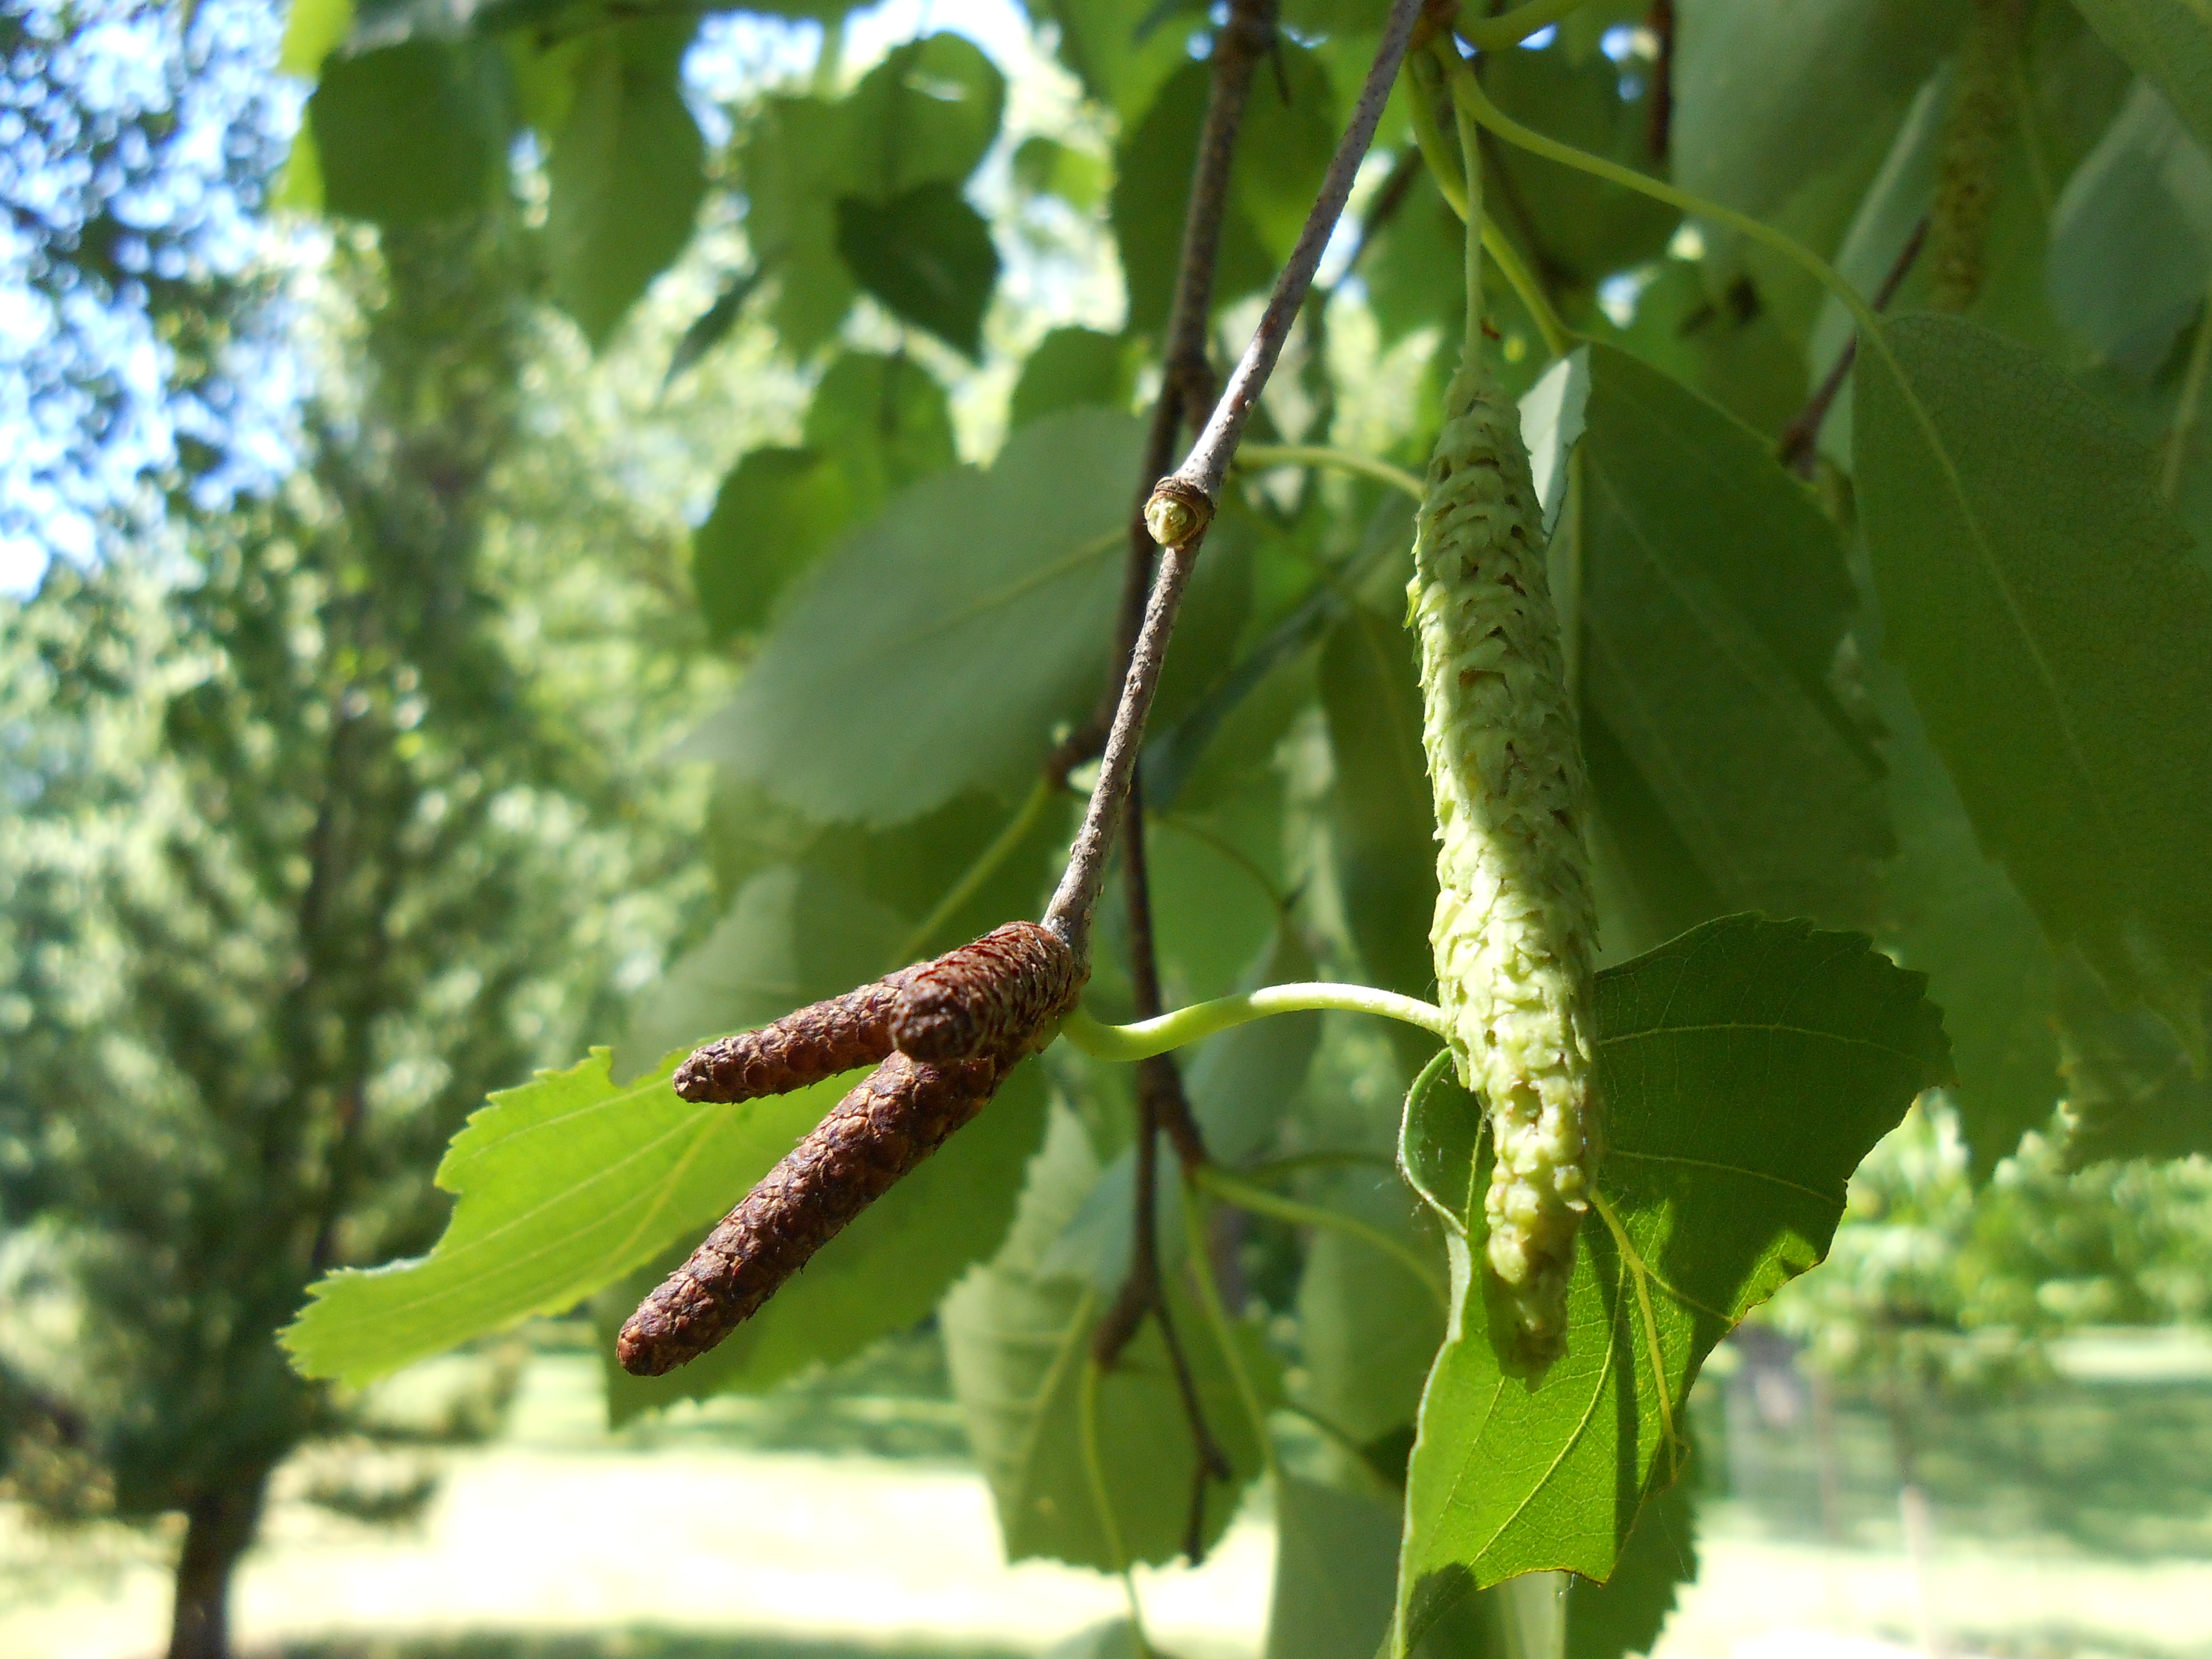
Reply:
x=625 y=176
x=1072 y=368
x=562 y=1185
x=1746 y=1067
x=933 y=649
x=885 y=1273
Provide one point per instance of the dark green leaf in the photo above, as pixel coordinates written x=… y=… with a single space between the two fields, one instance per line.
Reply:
x=1121 y=49
x=1072 y=367
x=2057 y=639
x=933 y=650
x=2168 y=41
x=1380 y=811
x=1747 y=1068
x=1715 y=596
x=625 y=176
x=412 y=132
x=1367 y=1329
x=713 y=326
x=2130 y=1091
x=926 y=255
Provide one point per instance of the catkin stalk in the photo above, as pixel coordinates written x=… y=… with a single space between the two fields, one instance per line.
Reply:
x=1515 y=923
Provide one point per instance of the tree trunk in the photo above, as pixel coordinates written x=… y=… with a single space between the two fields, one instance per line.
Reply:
x=219 y=1525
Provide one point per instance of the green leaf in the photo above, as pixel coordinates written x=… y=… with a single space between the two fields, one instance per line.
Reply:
x=1045 y=166
x=925 y=115
x=1120 y=49
x=2130 y=1091
x=1380 y=813
x=2057 y=638
x=886 y=421
x=876 y=424
x=625 y=176
x=713 y=326
x=1951 y=913
x=2168 y=41
x=1280 y=156
x=933 y=650
x=1018 y=1344
x=312 y=30
x=776 y=510
x=1747 y=1068
x=1369 y=1330
x=412 y=132
x=926 y=255
x=2131 y=237
x=792 y=163
x=1715 y=595
x=1625 y=1614
x=1765 y=97
x=1336 y=1553
x=885 y=1273
x=793 y=936
x=1072 y=368
x=563 y=1186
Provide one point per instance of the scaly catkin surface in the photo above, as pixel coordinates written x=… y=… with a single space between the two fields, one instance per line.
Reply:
x=1515 y=923
x=803 y=1047
x=983 y=996
x=974 y=1012
x=899 y=1115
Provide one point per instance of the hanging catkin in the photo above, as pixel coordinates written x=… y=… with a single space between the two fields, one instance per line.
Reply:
x=1514 y=922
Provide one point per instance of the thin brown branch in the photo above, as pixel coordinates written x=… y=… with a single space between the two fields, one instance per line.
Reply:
x=1207 y=462
x=1799 y=438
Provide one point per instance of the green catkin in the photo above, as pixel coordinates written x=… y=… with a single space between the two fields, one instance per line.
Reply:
x=1515 y=923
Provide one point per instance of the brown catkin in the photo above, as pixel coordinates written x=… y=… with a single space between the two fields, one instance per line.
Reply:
x=805 y=1046
x=984 y=996
x=973 y=1015
x=897 y=1116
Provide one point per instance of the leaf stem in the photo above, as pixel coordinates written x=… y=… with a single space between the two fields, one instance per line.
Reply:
x=1641 y=1277
x=1244 y=1195
x=1470 y=161
x=1465 y=87
x=1451 y=185
x=1258 y=457
x=1147 y=1037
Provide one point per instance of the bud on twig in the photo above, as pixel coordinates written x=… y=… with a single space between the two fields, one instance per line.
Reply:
x=1177 y=511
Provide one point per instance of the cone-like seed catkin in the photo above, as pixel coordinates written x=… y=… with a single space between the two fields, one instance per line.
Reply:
x=1515 y=923
x=976 y=999
x=803 y=1047
x=900 y=1114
